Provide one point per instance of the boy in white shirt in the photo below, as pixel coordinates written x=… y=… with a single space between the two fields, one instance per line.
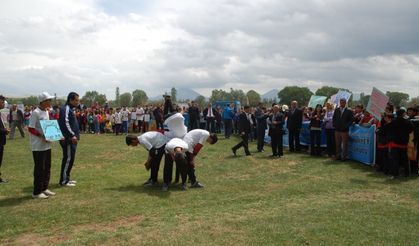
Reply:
x=195 y=140
x=41 y=148
x=154 y=143
x=175 y=151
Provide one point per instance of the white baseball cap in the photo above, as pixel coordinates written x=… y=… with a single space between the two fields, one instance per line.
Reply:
x=44 y=96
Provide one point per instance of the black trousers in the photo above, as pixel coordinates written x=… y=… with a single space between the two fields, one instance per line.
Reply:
x=117 y=129
x=41 y=171
x=244 y=143
x=69 y=154
x=156 y=156
x=315 y=142
x=399 y=159
x=190 y=165
x=211 y=124
x=168 y=169
x=1 y=156
x=330 y=142
x=228 y=128
x=193 y=124
x=294 y=139
x=260 y=137
x=277 y=144
x=383 y=160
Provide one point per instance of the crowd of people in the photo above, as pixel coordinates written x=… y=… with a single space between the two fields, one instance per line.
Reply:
x=202 y=124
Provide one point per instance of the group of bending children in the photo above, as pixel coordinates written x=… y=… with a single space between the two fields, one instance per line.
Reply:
x=177 y=145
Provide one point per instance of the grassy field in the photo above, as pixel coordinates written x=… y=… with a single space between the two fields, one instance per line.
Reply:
x=294 y=200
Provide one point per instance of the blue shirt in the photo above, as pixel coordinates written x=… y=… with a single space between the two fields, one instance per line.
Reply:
x=228 y=113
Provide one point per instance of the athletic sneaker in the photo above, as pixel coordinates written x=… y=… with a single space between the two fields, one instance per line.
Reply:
x=48 y=192
x=73 y=181
x=197 y=185
x=3 y=181
x=69 y=184
x=40 y=196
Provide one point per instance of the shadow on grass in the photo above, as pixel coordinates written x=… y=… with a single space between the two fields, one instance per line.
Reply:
x=14 y=201
x=151 y=191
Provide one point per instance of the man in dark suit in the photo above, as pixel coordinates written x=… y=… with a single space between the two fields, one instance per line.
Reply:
x=209 y=116
x=193 y=112
x=294 y=124
x=261 y=116
x=3 y=133
x=244 y=129
x=276 y=124
x=342 y=120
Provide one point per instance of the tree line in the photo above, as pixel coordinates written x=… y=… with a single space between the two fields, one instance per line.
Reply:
x=251 y=97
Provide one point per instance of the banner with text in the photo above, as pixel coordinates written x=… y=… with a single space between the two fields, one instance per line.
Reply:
x=361 y=145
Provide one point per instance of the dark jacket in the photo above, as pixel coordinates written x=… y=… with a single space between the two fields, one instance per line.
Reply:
x=276 y=128
x=261 y=119
x=3 y=132
x=205 y=113
x=399 y=130
x=69 y=125
x=342 y=122
x=244 y=123
x=295 y=120
x=193 y=113
x=19 y=116
x=316 y=121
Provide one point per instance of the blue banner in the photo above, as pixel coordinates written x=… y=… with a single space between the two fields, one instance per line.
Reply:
x=362 y=144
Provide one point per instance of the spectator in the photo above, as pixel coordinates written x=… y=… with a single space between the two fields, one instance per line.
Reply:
x=342 y=120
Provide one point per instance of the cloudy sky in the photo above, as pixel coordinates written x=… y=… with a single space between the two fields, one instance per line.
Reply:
x=82 y=45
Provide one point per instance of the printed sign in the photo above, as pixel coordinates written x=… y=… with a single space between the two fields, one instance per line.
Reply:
x=51 y=130
x=377 y=103
x=314 y=100
x=342 y=94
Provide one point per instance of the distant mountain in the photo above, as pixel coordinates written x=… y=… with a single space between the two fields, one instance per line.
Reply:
x=182 y=94
x=270 y=95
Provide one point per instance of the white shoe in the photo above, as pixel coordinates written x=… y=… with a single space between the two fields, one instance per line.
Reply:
x=69 y=184
x=72 y=182
x=48 y=192
x=40 y=196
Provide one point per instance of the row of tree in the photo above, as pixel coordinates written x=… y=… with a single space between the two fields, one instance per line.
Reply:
x=285 y=96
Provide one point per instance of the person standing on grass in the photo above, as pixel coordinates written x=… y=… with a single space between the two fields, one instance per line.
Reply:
x=330 y=130
x=294 y=125
x=276 y=130
x=154 y=143
x=3 y=132
x=228 y=115
x=316 y=120
x=125 y=118
x=70 y=129
x=261 y=117
x=117 y=119
x=244 y=130
x=195 y=140
x=41 y=148
x=16 y=120
x=342 y=120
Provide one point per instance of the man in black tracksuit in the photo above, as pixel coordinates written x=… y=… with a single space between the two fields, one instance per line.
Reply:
x=70 y=129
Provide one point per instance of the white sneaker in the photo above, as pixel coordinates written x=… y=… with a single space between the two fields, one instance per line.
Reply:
x=72 y=182
x=40 y=196
x=48 y=192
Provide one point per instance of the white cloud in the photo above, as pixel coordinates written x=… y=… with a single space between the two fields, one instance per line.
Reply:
x=61 y=46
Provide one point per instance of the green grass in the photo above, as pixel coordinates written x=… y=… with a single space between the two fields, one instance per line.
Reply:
x=253 y=200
